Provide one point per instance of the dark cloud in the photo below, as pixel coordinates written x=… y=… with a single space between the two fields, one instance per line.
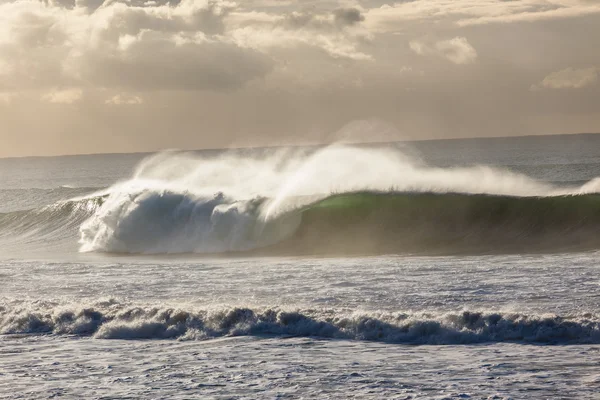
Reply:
x=321 y=20
x=348 y=16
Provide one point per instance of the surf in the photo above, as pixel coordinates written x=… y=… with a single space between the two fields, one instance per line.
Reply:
x=111 y=319
x=337 y=200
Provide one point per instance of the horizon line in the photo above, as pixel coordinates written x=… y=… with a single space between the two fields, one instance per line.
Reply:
x=303 y=145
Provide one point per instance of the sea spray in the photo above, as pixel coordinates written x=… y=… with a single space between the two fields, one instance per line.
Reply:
x=183 y=202
x=272 y=202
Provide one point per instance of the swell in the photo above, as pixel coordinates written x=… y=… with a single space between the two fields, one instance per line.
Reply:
x=50 y=225
x=113 y=320
x=27 y=199
x=377 y=223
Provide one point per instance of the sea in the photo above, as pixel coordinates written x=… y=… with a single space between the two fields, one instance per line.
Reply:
x=445 y=269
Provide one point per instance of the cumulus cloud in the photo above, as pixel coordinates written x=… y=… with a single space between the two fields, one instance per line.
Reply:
x=569 y=78
x=64 y=96
x=118 y=45
x=155 y=61
x=457 y=50
x=156 y=47
x=336 y=33
x=159 y=45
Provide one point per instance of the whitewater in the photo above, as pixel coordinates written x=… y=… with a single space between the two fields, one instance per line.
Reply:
x=443 y=269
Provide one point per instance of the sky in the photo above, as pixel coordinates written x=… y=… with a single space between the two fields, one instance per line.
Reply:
x=94 y=76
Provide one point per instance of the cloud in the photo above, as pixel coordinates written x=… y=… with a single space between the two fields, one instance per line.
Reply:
x=336 y=33
x=139 y=45
x=6 y=98
x=146 y=47
x=569 y=78
x=348 y=16
x=124 y=99
x=457 y=50
x=476 y=12
x=537 y=11
x=157 y=61
x=65 y=96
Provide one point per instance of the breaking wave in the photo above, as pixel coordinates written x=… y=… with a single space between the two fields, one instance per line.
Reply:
x=113 y=320
x=351 y=223
x=382 y=202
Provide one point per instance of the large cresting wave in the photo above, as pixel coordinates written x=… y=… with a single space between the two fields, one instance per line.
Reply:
x=339 y=200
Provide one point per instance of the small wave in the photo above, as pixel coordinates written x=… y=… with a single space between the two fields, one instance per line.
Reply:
x=26 y=199
x=113 y=320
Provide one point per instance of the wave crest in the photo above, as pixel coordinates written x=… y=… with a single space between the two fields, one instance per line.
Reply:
x=170 y=206
x=171 y=222
x=112 y=320
x=281 y=203
x=344 y=224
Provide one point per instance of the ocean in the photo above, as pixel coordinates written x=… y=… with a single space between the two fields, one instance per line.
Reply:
x=445 y=269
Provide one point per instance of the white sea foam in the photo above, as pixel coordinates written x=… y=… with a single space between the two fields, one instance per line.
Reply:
x=113 y=320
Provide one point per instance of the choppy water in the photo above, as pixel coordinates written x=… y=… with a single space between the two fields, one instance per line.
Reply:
x=488 y=315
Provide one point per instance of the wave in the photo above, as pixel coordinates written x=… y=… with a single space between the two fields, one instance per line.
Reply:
x=16 y=199
x=48 y=226
x=379 y=223
x=347 y=224
x=168 y=222
x=387 y=203
x=383 y=202
x=112 y=320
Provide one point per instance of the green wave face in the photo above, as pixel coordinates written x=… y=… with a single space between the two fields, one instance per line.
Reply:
x=363 y=223
x=379 y=223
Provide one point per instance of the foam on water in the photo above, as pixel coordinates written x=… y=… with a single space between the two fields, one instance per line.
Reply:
x=110 y=319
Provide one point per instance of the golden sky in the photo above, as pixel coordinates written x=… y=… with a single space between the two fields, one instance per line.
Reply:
x=92 y=76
